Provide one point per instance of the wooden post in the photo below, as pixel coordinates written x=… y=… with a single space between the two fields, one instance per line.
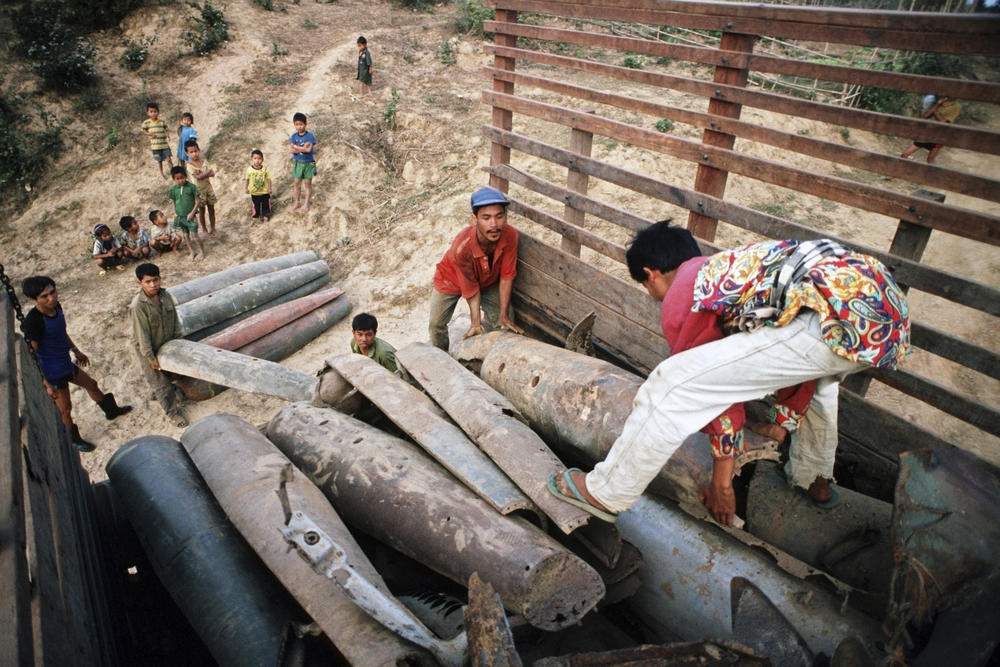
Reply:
x=581 y=142
x=708 y=179
x=502 y=118
x=15 y=594
x=910 y=242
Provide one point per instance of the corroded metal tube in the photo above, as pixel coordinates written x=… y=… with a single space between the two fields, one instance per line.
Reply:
x=493 y=423
x=423 y=421
x=248 y=330
x=686 y=581
x=256 y=486
x=577 y=403
x=232 y=369
x=231 y=600
x=850 y=540
x=192 y=289
x=393 y=491
x=216 y=306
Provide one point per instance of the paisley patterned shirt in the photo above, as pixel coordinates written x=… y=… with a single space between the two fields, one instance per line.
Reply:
x=863 y=313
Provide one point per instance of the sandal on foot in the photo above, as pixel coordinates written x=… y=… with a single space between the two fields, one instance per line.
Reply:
x=578 y=500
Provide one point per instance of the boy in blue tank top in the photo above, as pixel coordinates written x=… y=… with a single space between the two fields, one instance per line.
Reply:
x=44 y=329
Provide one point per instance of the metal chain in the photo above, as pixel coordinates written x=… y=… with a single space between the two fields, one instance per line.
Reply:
x=12 y=295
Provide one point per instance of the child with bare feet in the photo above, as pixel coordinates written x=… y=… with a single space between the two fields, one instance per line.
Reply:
x=163 y=238
x=302 y=143
x=135 y=241
x=258 y=186
x=202 y=172
x=186 y=199
x=156 y=130
x=107 y=250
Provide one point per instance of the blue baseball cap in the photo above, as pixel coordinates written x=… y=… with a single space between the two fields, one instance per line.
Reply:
x=487 y=196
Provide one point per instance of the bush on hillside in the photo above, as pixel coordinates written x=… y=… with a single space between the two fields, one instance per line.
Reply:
x=24 y=152
x=470 y=15
x=63 y=59
x=210 y=30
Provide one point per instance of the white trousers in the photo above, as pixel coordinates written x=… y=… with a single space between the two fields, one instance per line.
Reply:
x=689 y=389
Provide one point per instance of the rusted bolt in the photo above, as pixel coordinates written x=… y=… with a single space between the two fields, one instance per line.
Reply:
x=704 y=156
x=701 y=204
x=311 y=538
x=712 y=123
x=725 y=60
x=912 y=209
x=919 y=218
x=718 y=92
x=729 y=24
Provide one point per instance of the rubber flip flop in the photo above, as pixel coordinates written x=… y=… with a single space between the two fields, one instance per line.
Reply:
x=579 y=500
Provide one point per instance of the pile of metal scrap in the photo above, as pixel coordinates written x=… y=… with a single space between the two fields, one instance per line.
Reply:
x=266 y=309
x=450 y=478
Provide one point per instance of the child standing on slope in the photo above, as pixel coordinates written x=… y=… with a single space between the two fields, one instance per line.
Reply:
x=156 y=130
x=302 y=143
x=258 y=186
x=201 y=173
x=185 y=133
x=186 y=197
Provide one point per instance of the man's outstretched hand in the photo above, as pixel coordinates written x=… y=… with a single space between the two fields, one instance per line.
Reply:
x=721 y=503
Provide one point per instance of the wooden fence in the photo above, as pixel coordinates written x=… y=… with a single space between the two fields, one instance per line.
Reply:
x=54 y=585
x=568 y=89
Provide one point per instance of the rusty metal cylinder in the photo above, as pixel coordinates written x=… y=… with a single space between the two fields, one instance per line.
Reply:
x=256 y=485
x=225 y=592
x=850 y=539
x=394 y=492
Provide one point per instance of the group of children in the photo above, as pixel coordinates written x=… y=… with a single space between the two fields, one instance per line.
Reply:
x=154 y=321
x=195 y=201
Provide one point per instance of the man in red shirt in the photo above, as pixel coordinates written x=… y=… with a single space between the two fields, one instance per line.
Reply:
x=480 y=267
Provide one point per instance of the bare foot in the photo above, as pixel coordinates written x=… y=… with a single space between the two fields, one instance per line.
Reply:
x=265 y=220
x=819 y=490
x=580 y=480
x=305 y=209
x=200 y=256
x=192 y=255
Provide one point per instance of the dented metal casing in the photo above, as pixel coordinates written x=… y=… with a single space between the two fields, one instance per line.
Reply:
x=231 y=301
x=427 y=424
x=196 y=287
x=393 y=491
x=261 y=492
x=690 y=563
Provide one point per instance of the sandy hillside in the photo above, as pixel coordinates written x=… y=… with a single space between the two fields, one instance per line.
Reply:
x=386 y=205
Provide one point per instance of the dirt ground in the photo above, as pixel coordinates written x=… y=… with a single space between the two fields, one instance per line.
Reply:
x=386 y=204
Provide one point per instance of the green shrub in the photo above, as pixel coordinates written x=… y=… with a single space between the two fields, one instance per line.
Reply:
x=266 y=4
x=634 y=62
x=210 y=30
x=389 y=115
x=917 y=62
x=24 y=151
x=136 y=53
x=664 y=125
x=278 y=50
x=60 y=57
x=445 y=54
x=470 y=15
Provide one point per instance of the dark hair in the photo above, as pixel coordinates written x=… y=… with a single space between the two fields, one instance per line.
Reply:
x=659 y=247
x=32 y=286
x=178 y=169
x=362 y=40
x=191 y=142
x=364 y=322
x=256 y=151
x=187 y=114
x=152 y=105
x=147 y=269
x=126 y=221
x=152 y=214
x=299 y=116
